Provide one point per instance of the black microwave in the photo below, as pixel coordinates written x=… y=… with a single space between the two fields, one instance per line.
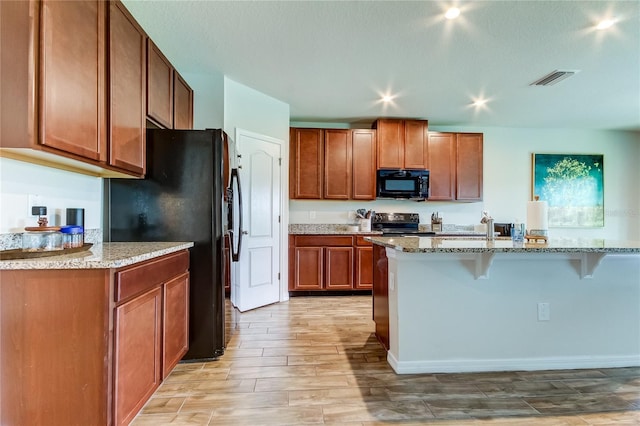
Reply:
x=405 y=184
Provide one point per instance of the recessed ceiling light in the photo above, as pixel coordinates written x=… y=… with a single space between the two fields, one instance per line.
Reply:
x=479 y=102
x=605 y=23
x=387 y=98
x=452 y=13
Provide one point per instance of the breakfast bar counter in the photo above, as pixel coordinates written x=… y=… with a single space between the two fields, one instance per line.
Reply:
x=468 y=304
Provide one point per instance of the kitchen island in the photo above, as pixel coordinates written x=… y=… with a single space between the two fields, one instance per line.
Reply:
x=464 y=305
x=87 y=337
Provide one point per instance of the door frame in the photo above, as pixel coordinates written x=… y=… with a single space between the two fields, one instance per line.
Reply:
x=284 y=205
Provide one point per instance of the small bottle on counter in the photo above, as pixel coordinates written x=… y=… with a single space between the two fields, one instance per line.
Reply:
x=72 y=236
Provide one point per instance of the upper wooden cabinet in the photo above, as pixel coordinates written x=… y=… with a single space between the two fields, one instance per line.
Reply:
x=159 y=87
x=441 y=151
x=333 y=164
x=306 y=163
x=401 y=143
x=72 y=77
x=469 y=163
x=455 y=166
x=182 y=103
x=364 y=164
x=73 y=87
x=127 y=90
x=337 y=164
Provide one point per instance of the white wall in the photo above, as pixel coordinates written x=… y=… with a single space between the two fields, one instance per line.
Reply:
x=253 y=111
x=507 y=182
x=208 y=100
x=57 y=190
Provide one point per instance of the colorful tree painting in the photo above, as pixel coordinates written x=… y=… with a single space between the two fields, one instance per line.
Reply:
x=572 y=185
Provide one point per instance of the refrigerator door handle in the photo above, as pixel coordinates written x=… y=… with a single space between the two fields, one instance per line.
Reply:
x=235 y=251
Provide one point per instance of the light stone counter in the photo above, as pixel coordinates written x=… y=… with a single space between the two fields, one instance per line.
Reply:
x=100 y=256
x=327 y=229
x=504 y=245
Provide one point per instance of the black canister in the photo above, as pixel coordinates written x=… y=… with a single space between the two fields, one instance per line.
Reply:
x=75 y=217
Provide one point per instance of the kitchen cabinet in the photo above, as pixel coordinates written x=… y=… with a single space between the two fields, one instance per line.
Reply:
x=441 y=163
x=159 y=87
x=469 y=163
x=75 y=88
x=363 y=164
x=127 y=90
x=329 y=262
x=336 y=164
x=364 y=264
x=401 y=143
x=182 y=103
x=138 y=339
x=72 y=77
x=95 y=343
x=306 y=168
x=455 y=166
x=381 y=295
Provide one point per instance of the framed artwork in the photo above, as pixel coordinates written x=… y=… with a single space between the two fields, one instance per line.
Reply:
x=573 y=187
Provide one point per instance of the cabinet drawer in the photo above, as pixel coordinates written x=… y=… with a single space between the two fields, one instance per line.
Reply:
x=141 y=277
x=324 y=240
x=360 y=241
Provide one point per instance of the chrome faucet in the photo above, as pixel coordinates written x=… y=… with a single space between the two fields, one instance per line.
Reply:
x=488 y=221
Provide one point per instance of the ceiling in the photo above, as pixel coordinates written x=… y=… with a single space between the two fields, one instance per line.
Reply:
x=332 y=60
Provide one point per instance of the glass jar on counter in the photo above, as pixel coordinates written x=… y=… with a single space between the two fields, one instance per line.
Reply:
x=72 y=236
x=35 y=241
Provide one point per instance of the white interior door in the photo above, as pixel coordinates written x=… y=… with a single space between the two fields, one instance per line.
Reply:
x=257 y=280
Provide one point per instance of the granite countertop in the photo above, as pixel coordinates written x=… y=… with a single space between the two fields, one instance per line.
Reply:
x=100 y=256
x=479 y=245
x=328 y=229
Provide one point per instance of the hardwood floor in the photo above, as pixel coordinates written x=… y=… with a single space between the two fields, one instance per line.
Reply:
x=315 y=360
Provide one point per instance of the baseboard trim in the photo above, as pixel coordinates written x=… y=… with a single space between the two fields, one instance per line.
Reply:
x=518 y=364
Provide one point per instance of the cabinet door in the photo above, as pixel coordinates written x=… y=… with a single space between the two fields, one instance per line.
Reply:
x=441 y=154
x=308 y=268
x=175 y=341
x=381 y=295
x=390 y=144
x=339 y=268
x=182 y=103
x=127 y=82
x=72 y=86
x=415 y=143
x=364 y=268
x=306 y=163
x=364 y=165
x=137 y=358
x=159 y=87
x=469 y=167
x=337 y=164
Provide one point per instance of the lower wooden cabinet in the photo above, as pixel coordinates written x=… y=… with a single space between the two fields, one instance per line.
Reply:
x=138 y=339
x=364 y=264
x=94 y=344
x=329 y=262
x=381 y=295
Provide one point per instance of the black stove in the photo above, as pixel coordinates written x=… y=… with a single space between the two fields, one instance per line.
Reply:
x=399 y=225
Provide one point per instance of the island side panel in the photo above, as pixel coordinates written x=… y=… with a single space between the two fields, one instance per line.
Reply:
x=442 y=319
x=54 y=337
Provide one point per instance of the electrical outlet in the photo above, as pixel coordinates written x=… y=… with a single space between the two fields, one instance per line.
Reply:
x=544 y=311
x=33 y=200
x=312 y=214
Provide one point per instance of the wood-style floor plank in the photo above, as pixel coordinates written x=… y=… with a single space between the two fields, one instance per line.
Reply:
x=315 y=360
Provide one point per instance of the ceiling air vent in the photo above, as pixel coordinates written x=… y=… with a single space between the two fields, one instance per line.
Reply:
x=553 y=78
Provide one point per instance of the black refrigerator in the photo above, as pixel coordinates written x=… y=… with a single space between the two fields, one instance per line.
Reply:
x=180 y=199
